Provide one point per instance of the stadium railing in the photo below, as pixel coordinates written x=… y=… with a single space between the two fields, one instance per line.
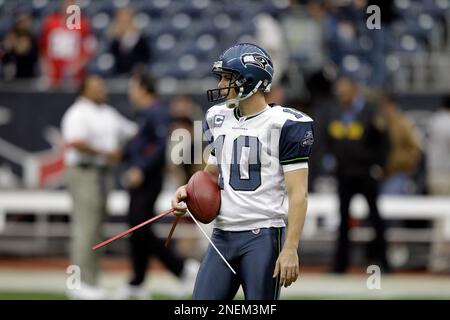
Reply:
x=322 y=214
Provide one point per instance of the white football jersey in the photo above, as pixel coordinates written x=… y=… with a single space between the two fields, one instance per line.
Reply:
x=252 y=154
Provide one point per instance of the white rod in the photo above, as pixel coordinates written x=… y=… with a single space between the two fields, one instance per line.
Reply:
x=204 y=233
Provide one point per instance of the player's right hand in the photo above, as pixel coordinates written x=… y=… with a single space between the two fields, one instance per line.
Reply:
x=178 y=201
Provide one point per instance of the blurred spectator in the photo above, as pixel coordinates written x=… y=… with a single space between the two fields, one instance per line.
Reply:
x=303 y=30
x=357 y=137
x=65 y=52
x=304 y=40
x=183 y=106
x=438 y=165
x=93 y=133
x=276 y=95
x=404 y=155
x=186 y=115
x=128 y=46
x=338 y=32
x=270 y=36
x=351 y=43
x=377 y=46
x=20 y=53
x=144 y=158
x=438 y=151
x=183 y=112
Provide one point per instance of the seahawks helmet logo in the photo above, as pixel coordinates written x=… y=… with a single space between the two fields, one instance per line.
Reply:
x=255 y=59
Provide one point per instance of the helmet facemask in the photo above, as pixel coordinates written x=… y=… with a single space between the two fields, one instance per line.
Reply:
x=214 y=95
x=237 y=83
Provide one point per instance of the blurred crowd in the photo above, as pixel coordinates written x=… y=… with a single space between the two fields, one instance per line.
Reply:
x=177 y=39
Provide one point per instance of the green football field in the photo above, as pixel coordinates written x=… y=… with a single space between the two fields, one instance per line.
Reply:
x=38 y=284
x=58 y=296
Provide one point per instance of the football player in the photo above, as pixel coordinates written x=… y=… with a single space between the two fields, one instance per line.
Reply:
x=260 y=160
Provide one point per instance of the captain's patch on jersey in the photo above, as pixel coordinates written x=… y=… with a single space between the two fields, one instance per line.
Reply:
x=218 y=120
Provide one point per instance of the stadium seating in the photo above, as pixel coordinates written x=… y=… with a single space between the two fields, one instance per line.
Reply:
x=186 y=35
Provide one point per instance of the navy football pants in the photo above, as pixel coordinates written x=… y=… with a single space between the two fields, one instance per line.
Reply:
x=252 y=254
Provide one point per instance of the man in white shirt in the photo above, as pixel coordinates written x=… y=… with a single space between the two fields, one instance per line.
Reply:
x=93 y=133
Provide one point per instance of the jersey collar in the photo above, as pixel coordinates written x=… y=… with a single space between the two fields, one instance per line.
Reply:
x=239 y=117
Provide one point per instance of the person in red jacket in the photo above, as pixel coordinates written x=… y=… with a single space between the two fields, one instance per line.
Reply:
x=65 y=50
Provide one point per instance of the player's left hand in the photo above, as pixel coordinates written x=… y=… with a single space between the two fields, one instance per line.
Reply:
x=287 y=266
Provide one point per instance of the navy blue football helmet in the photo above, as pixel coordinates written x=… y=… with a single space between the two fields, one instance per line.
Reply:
x=251 y=68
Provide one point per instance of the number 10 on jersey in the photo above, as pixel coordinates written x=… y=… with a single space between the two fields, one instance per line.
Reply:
x=245 y=166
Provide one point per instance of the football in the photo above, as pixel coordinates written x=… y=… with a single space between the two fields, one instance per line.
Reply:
x=203 y=197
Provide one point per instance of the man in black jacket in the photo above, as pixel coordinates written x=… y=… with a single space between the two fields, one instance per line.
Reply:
x=144 y=158
x=357 y=137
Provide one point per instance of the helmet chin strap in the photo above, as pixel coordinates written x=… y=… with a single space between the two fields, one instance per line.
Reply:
x=234 y=103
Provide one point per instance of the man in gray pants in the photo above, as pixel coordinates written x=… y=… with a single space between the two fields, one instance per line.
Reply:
x=93 y=133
